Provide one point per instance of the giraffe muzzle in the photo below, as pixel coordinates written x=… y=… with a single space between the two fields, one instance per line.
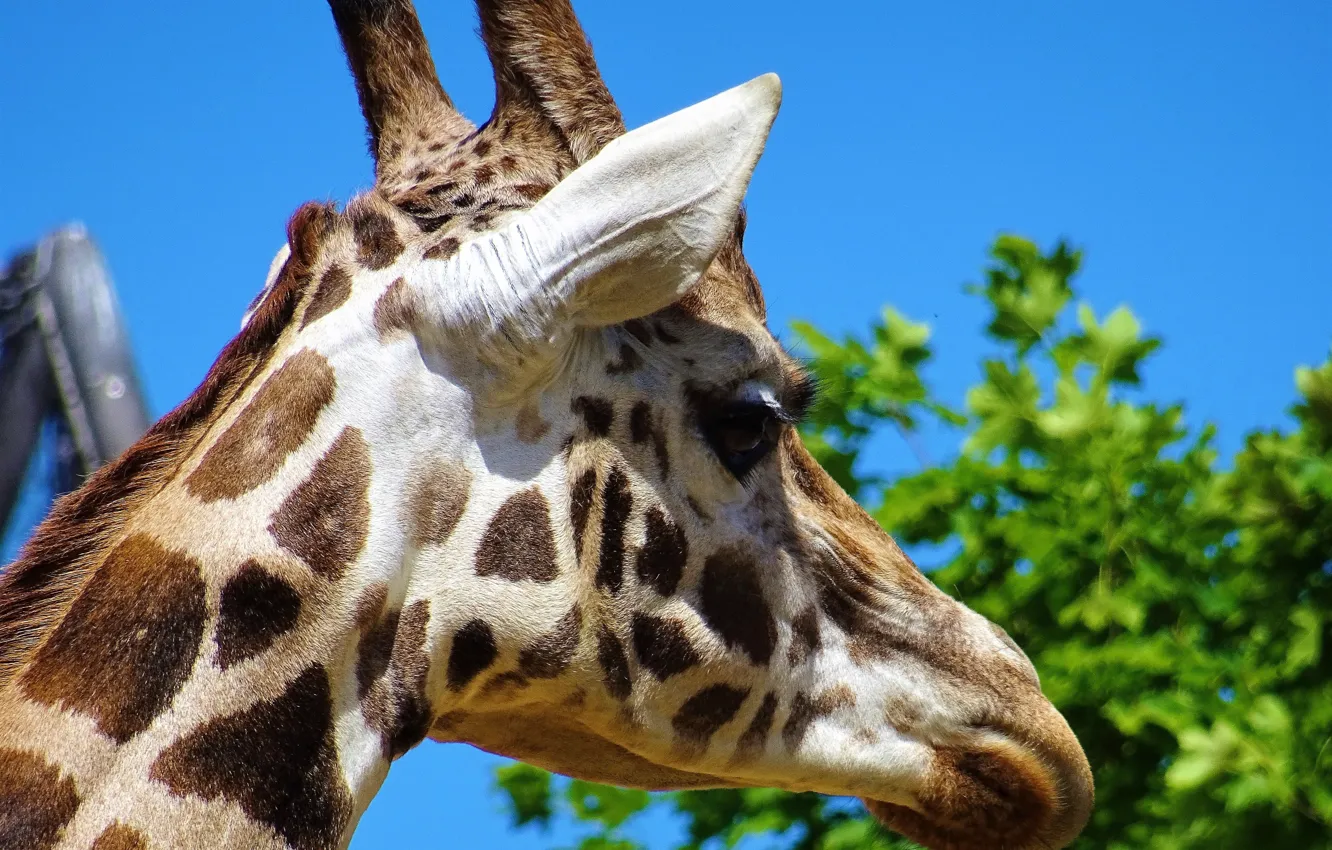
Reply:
x=1026 y=787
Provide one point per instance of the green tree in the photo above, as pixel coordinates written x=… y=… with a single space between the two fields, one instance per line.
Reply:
x=1174 y=606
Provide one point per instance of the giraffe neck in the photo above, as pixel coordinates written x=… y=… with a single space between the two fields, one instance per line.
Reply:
x=274 y=657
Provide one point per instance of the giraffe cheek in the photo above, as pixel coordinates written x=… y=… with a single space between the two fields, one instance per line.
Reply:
x=733 y=605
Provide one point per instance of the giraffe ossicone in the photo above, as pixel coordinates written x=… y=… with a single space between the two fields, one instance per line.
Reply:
x=503 y=454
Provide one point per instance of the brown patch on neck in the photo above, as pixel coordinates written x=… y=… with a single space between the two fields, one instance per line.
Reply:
x=36 y=590
x=37 y=801
x=438 y=499
x=395 y=310
x=391 y=671
x=117 y=836
x=128 y=642
x=276 y=422
x=277 y=760
x=335 y=287
x=529 y=424
x=326 y=520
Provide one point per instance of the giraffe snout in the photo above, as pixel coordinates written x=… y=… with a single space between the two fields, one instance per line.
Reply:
x=1017 y=780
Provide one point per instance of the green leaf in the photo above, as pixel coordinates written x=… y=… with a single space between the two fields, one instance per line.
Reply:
x=528 y=792
x=1204 y=754
x=1306 y=644
x=1074 y=413
x=605 y=804
x=1005 y=408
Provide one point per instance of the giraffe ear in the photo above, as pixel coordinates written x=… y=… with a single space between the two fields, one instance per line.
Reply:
x=626 y=233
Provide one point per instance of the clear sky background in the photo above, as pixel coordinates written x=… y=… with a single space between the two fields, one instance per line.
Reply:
x=1187 y=146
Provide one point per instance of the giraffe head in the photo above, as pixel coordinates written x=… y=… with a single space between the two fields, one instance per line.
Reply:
x=664 y=590
x=506 y=455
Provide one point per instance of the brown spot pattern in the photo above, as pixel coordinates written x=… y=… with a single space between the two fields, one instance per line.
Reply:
x=580 y=505
x=798 y=721
x=549 y=655
x=661 y=561
x=532 y=191
x=377 y=244
x=325 y=520
x=275 y=423
x=519 y=543
x=122 y=664
x=640 y=422
x=36 y=801
x=395 y=310
x=438 y=499
x=707 y=711
x=733 y=605
x=617 y=502
x=473 y=651
x=443 y=249
x=529 y=425
x=804 y=636
x=756 y=734
x=375 y=649
x=804 y=711
x=598 y=414
x=277 y=760
x=333 y=291
x=117 y=836
x=391 y=671
x=370 y=605
x=629 y=361
x=610 y=654
x=256 y=608
x=37 y=589
x=642 y=428
x=662 y=646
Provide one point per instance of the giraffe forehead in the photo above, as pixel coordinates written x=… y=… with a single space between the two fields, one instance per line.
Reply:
x=452 y=190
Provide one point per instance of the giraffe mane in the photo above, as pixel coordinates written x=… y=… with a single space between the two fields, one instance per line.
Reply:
x=83 y=526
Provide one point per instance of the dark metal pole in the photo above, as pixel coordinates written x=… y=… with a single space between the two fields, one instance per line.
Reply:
x=64 y=353
x=88 y=348
x=26 y=398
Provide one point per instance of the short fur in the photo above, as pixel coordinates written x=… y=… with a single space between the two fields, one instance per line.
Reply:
x=85 y=525
x=361 y=530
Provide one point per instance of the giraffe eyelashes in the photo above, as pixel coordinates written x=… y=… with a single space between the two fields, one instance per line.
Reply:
x=744 y=434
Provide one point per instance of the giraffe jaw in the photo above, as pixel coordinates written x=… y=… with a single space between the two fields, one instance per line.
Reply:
x=995 y=790
x=567 y=747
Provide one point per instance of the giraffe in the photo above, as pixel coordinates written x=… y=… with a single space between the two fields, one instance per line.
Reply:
x=503 y=454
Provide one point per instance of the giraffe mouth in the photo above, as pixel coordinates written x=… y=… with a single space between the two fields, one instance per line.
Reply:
x=996 y=794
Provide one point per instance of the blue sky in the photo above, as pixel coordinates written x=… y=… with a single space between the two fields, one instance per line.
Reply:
x=1187 y=146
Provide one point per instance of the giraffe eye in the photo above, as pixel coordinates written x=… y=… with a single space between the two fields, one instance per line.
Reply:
x=743 y=435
